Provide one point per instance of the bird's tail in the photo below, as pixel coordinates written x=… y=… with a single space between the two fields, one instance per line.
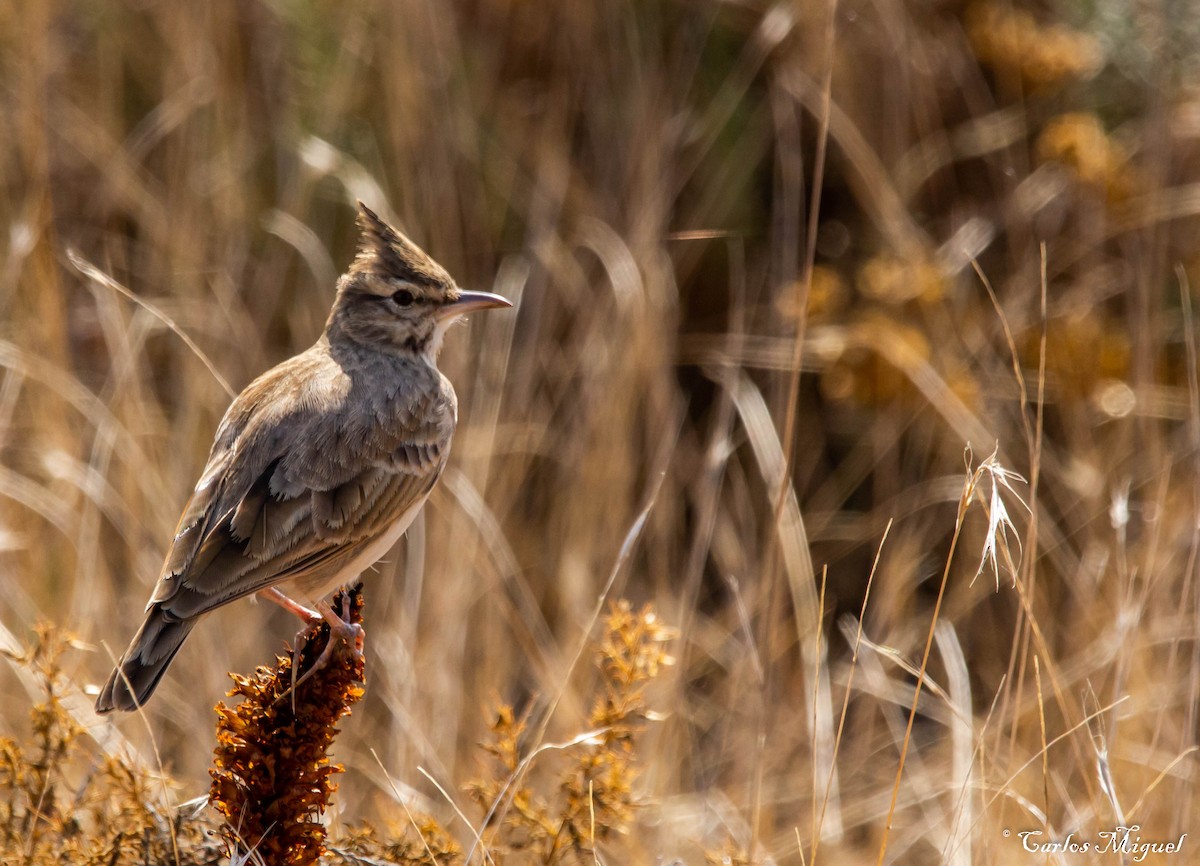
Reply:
x=144 y=663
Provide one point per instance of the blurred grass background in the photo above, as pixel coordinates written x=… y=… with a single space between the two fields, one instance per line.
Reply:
x=1003 y=254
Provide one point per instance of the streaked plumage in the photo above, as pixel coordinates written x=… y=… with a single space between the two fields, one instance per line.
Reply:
x=321 y=463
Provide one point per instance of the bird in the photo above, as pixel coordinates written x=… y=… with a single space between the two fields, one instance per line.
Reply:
x=320 y=464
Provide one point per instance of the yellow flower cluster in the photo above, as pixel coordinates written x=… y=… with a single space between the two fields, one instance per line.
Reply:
x=1011 y=41
x=1079 y=142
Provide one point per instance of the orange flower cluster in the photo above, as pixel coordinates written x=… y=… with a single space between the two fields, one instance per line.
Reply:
x=271 y=771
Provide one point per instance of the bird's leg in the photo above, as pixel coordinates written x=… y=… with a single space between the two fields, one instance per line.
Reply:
x=310 y=617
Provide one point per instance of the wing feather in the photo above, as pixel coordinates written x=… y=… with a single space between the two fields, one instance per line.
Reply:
x=307 y=558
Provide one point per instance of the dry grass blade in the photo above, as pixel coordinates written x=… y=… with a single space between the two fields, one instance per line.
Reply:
x=94 y=273
x=958 y=849
x=801 y=578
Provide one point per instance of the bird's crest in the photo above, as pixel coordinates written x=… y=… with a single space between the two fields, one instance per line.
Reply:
x=385 y=251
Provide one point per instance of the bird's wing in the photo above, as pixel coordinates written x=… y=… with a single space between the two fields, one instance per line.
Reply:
x=294 y=496
x=285 y=546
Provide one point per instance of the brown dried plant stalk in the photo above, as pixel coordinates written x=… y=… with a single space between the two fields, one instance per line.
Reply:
x=271 y=771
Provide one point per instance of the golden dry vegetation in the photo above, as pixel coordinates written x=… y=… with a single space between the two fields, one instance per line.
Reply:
x=883 y=312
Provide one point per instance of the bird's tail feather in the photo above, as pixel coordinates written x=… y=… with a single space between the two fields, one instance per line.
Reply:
x=144 y=663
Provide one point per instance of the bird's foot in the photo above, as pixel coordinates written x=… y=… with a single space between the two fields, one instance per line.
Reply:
x=344 y=636
x=349 y=634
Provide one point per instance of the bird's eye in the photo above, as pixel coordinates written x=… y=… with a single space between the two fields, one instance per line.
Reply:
x=403 y=298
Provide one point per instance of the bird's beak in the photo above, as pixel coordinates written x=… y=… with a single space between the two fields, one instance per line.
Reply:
x=469 y=302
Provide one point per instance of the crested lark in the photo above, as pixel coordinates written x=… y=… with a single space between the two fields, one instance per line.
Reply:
x=320 y=465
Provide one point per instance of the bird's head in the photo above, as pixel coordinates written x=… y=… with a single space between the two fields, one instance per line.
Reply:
x=394 y=296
